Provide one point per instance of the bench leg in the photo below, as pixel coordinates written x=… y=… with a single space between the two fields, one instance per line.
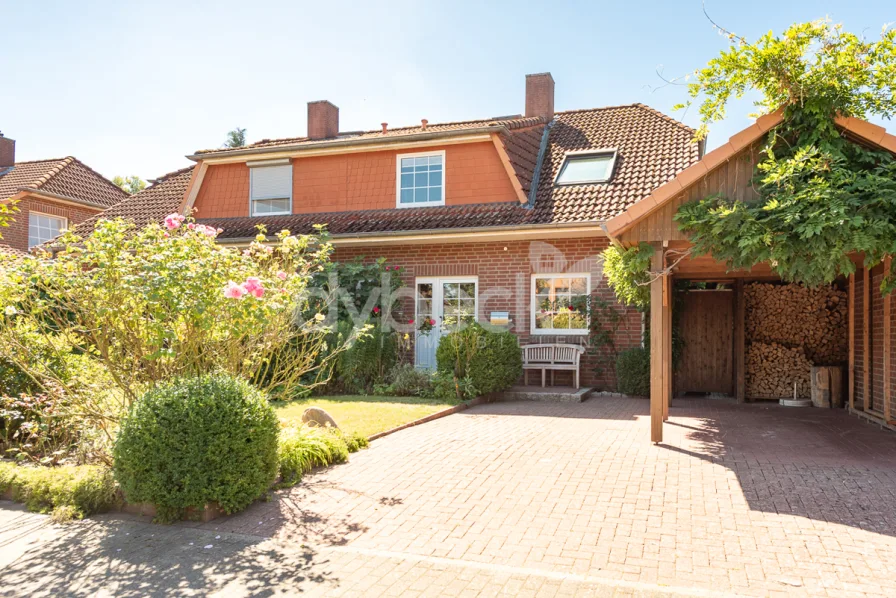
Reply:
x=577 y=379
x=542 y=378
x=552 y=378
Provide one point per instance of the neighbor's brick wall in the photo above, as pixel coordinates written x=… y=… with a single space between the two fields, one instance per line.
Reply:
x=16 y=235
x=474 y=173
x=504 y=272
x=875 y=359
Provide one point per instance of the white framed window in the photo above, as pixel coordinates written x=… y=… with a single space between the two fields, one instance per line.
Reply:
x=560 y=303
x=43 y=228
x=420 y=179
x=592 y=166
x=270 y=188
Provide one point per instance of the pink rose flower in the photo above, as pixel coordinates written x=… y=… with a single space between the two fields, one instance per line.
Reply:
x=281 y=275
x=234 y=290
x=432 y=322
x=207 y=230
x=376 y=310
x=191 y=225
x=254 y=287
x=410 y=321
x=173 y=221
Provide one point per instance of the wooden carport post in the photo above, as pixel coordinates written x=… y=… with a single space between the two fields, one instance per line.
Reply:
x=660 y=338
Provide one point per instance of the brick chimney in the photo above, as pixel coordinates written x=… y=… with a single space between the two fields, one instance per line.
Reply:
x=540 y=95
x=7 y=151
x=323 y=120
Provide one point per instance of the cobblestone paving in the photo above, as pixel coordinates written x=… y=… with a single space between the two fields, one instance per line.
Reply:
x=525 y=499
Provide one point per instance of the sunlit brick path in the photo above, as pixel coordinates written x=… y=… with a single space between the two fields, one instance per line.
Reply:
x=535 y=499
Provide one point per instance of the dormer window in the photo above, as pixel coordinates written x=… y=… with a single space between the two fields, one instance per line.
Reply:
x=581 y=168
x=421 y=179
x=270 y=187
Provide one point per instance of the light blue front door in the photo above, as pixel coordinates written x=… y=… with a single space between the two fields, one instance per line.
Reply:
x=446 y=303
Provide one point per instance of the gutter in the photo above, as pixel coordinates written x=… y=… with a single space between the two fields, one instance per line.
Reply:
x=539 y=162
x=595 y=225
x=305 y=145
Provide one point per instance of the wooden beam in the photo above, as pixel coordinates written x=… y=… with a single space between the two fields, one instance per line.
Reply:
x=887 y=325
x=866 y=338
x=667 y=346
x=852 y=341
x=657 y=350
x=740 y=341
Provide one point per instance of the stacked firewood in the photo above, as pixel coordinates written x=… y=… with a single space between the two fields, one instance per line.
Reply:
x=815 y=320
x=772 y=369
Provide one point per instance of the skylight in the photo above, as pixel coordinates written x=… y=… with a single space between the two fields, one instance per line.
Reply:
x=591 y=167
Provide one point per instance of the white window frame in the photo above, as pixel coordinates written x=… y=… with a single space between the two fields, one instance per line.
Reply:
x=267 y=164
x=607 y=151
x=533 y=307
x=54 y=216
x=398 y=158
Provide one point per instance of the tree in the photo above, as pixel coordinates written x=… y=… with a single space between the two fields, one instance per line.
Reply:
x=822 y=197
x=236 y=138
x=131 y=184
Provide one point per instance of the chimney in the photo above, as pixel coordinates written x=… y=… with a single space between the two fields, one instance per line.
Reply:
x=540 y=95
x=323 y=120
x=7 y=152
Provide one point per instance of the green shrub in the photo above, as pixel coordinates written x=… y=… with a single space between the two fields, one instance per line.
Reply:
x=408 y=381
x=366 y=362
x=196 y=441
x=68 y=492
x=633 y=371
x=302 y=448
x=445 y=388
x=491 y=359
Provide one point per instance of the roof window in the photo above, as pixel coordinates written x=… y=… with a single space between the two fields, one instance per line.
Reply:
x=581 y=168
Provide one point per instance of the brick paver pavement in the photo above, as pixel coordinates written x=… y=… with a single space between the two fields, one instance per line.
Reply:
x=538 y=499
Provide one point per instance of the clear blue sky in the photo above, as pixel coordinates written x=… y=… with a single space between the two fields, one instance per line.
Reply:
x=132 y=87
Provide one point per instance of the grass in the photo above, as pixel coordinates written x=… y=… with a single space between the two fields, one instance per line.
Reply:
x=364 y=415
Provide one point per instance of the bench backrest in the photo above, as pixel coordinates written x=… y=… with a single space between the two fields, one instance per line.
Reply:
x=552 y=353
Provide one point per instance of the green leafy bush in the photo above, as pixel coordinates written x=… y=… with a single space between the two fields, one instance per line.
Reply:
x=302 y=448
x=68 y=492
x=368 y=360
x=196 y=441
x=633 y=371
x=445 y=387
x=408 y=381
x=491 y=359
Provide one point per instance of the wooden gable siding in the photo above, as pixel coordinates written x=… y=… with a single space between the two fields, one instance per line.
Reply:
x=732 y=178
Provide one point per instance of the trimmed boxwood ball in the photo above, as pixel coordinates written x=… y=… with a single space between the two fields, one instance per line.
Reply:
x=492 y=359
x=633 y=371
x=196 y=441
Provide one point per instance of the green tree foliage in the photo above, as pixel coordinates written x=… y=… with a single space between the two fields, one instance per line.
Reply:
x=196 y=441
x=235 y=138
x=822 y=197
x=627 y=272
x=492 y=360
x=130 y=184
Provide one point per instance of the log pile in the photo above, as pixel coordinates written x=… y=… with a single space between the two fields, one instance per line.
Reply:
x=796 y=316
x=789 y=328
x=772 y=368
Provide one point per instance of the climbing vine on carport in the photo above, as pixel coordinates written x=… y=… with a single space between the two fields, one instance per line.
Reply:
x=822 y=197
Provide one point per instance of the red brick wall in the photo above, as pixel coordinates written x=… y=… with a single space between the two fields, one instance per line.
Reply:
x=16 y=235
x=474 y=173
x=504 y=272
x=875 y=360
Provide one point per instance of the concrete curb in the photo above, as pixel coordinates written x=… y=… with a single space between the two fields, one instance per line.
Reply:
x=432 y=417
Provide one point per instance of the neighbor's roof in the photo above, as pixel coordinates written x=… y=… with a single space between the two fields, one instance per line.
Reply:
x=66 y=177
x=7 y=252
x=162 y=197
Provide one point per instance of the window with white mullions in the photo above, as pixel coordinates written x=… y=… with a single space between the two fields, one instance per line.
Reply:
x=43 y=228
x=458 y=304
x=560 y=303
x=421 y=179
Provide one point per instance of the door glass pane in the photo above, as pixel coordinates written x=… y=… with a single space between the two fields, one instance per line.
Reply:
x=450 y=290
x=468 y=289
x=579 y=286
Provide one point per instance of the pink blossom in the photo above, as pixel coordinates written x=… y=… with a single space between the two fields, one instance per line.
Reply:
x=191 y=225
x=410 y=321
x=219 y=230
x=432 y=322
x=376 y=310
x=254 y=287
x=173 y=221
x=281 y=275
x=234 y=290
x=206 y=230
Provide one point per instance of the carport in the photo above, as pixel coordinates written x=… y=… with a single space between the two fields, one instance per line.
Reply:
x=717 y=314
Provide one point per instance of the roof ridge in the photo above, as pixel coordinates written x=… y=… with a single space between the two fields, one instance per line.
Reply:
x=665 y=116
x=614 y=107
x=109 y=183
x=45 y=177
x=165 y=177
x=41 y=160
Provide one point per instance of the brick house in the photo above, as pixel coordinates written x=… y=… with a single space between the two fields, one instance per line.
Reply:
x=485 y=216
x=51 y=196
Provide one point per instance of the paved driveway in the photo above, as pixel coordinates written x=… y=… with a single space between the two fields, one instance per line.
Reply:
x=531 y=499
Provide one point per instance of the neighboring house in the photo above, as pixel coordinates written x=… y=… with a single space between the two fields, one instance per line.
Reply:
x=51 y=196
x=494 y=215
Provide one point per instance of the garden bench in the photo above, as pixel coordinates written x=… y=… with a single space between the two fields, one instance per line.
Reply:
x=551 y=357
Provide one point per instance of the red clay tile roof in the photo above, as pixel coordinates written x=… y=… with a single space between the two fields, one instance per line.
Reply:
x=508 y=122
x=68 y=177
x=161 y=198
x=7 y=252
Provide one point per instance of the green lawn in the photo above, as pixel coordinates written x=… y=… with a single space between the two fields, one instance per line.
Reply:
x=365 y=415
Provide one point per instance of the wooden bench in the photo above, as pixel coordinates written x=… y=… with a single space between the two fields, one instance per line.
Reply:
x=551 y=357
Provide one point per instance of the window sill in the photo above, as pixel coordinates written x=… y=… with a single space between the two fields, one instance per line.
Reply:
x=270 y=214
x=558 y=332
x=429 y=204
